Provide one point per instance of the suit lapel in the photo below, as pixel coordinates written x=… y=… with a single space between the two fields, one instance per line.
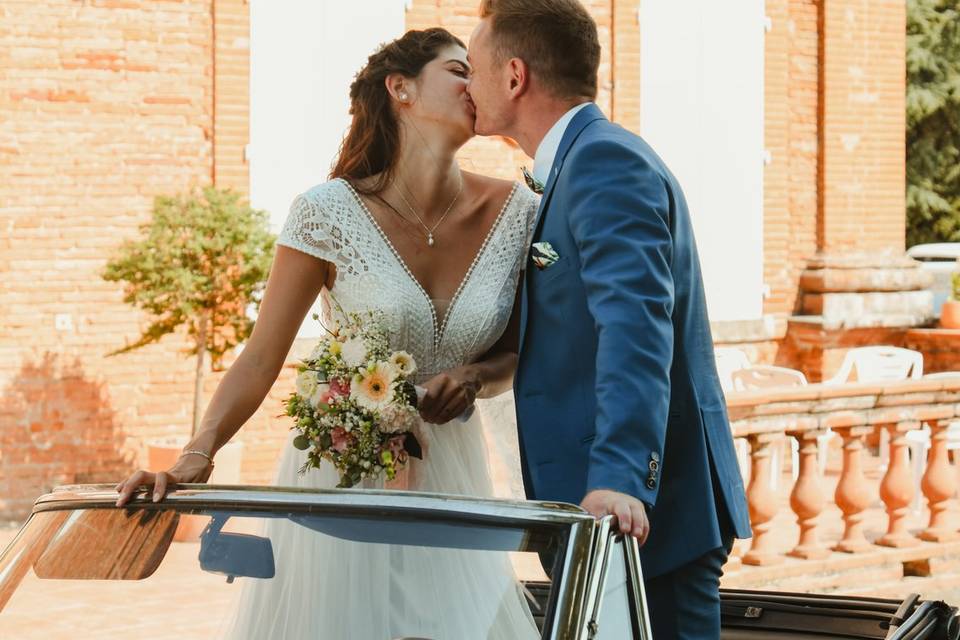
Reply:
x=585 y=116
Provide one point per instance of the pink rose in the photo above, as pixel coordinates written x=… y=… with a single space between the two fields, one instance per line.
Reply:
x=341 y=439
x=339 y=388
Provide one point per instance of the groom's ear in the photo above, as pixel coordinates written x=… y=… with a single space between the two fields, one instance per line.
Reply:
x=518 y=77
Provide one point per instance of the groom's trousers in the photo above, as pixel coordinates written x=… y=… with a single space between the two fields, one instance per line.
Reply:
x=685 y=603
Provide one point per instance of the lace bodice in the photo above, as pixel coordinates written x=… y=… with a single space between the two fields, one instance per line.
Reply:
x=332 y=223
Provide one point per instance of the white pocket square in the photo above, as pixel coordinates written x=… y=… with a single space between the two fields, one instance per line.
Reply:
x=543 y=255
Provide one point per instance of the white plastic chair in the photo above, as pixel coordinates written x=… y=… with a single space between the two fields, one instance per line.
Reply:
x=943 y=374
x=763 y=376
x=729 y=360
x=875 y=364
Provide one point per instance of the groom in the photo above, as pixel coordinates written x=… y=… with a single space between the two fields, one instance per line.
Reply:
x=618 y=400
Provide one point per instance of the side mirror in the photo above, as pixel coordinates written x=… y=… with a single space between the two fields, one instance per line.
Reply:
x=235 y=554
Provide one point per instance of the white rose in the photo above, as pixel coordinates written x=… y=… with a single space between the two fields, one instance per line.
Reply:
x=307 y=383
x=354 y=352
x=396 y=419
x=404 y=363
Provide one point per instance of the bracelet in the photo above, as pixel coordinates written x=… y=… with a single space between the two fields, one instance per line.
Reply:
x=198 y=453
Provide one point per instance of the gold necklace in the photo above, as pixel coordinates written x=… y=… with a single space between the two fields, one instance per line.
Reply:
x=429 y=230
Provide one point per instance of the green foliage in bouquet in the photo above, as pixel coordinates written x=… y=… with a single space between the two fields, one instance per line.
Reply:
x=202 y=262
x=933 y=121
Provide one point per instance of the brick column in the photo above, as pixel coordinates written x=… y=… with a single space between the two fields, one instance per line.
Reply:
x=777 y=236
x=862 y=145
x=859 y=288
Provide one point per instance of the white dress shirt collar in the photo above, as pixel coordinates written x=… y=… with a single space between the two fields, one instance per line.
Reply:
x=547 y=151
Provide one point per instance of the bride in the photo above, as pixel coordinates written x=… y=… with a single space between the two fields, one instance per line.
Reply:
x=401 y=229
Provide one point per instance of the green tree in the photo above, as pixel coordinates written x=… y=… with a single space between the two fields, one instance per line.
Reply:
x=933 y=121
x=202 y=262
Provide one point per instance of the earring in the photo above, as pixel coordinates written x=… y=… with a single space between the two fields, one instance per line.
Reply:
x=403 y=97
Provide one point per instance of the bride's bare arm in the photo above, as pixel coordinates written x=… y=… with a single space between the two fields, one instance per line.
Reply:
x=295 y=281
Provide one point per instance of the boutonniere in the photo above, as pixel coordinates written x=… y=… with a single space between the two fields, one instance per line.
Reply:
x=535 y=185
x=543 y=255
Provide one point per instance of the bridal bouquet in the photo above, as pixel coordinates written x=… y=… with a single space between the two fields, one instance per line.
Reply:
x=354 y=403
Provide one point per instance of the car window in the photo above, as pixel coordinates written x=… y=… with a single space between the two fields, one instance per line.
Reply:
x=108 y=572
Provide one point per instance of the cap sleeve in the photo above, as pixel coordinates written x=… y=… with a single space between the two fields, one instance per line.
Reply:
x=319 y=225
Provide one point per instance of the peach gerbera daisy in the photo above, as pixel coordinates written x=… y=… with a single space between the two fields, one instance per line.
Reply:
x=373 y=389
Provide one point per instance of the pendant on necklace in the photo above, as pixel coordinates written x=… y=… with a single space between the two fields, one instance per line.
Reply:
x=430 y=240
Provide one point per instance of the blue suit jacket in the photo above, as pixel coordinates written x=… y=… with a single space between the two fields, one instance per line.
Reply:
x=616 y=386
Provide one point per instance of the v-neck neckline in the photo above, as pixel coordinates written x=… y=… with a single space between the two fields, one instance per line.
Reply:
x=439 y=327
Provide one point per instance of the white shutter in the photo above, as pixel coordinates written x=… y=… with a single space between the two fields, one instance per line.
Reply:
x=702 y=111
x=303 y=56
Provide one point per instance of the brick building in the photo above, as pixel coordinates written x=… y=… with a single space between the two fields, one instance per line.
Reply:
x=783 y=119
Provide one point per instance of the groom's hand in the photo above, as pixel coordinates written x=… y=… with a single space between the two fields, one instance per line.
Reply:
x=631 y=513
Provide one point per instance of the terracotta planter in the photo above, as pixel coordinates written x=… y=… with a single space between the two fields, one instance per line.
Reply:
x=950 y=314
x=162 y=454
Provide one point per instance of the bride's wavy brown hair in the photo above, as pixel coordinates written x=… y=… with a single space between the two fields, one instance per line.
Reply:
x=372 y=144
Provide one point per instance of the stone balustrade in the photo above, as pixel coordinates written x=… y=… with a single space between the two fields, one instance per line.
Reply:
x=854 y=413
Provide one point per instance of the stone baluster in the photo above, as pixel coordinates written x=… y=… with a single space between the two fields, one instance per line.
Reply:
x=761 y=500
x=853 y=494
x=735 y=559
x=939 y=485
x=896 y=488
x=807 y=498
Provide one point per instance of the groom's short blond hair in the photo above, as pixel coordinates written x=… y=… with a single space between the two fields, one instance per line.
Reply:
x=557 y=39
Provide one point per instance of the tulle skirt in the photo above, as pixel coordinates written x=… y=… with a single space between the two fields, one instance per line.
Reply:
x=330 y=589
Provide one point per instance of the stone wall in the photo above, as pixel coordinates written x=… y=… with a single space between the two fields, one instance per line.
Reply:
x=103 y=105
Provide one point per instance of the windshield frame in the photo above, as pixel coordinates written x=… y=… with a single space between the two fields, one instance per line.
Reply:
x=566 y=611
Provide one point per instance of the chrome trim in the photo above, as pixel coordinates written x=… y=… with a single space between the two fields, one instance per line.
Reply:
x=569 y=610
x=635 y=574
x=597 y=574
x=238 y=494
x=229 y=496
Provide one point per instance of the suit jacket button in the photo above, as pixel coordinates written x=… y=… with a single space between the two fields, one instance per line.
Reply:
x=651 y=483
x=655 y=456
x=654 y=465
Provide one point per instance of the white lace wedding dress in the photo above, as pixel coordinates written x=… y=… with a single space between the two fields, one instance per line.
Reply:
x=340 y=591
